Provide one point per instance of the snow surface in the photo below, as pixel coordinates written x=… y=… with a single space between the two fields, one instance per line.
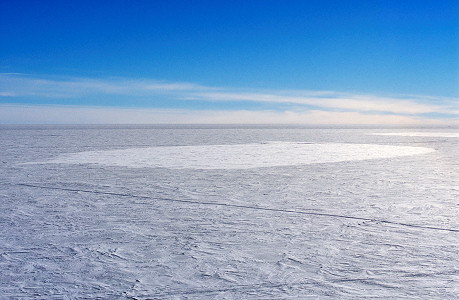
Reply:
x=244 y=156
x=354 y=228
x=434 y=134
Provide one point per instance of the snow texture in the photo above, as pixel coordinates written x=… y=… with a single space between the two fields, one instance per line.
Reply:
x=215 y=212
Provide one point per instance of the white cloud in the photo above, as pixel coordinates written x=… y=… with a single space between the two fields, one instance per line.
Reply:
x=315 y=107
x=27 y=114
x=347 y=102
x=22 y=85
x=7 y=94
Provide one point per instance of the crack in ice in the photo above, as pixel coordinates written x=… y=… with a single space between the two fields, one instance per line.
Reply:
x=246 y=207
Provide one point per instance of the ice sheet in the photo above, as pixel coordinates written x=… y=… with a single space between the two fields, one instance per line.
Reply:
x=242 y=156
x=357 y=229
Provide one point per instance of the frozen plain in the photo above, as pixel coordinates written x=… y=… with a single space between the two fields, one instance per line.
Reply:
x=202 y=212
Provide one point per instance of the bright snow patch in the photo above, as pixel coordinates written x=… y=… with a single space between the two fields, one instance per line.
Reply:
x=428 y=134
x=243 y=156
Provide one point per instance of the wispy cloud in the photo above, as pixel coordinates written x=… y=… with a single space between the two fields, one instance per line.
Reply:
x=311 y=107
x=18 y=85
x=336 y=101
x=45 y=114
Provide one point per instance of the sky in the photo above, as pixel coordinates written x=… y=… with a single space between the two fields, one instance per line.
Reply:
x=230 y=62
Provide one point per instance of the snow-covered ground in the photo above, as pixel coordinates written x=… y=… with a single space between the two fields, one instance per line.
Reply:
x=144 y=212
x=241 y=156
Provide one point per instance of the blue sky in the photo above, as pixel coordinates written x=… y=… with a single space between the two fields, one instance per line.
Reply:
x=308 y=62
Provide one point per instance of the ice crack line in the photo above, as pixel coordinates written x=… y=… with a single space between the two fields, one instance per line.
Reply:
x=301 y=212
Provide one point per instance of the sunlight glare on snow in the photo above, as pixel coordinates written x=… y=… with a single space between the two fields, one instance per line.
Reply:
x=426 y=134
x=242 y=156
